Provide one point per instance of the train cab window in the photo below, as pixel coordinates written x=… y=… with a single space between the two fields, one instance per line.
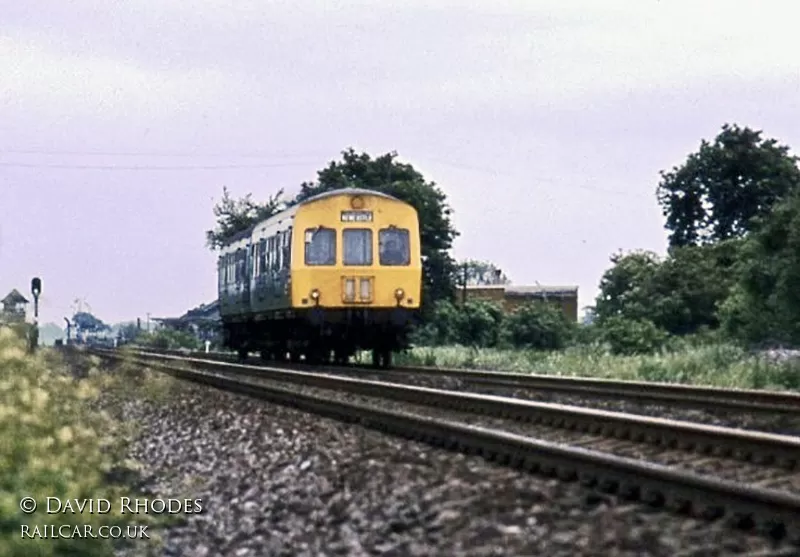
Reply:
x=394 y=245
x=357 y=246
x=320 y=246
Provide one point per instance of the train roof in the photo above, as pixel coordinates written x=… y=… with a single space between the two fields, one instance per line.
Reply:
x=289 y=211
x=347 y=191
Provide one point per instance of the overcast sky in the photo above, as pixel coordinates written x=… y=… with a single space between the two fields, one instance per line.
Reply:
x=546 y=124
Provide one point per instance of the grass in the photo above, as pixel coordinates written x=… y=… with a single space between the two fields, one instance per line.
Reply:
x=721 y=365
x=57 y=441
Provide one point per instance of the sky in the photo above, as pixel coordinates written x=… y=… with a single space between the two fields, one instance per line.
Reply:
x=546 y=123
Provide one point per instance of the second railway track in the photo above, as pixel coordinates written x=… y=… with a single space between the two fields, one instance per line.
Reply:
x=689 y=396
x=761 y=468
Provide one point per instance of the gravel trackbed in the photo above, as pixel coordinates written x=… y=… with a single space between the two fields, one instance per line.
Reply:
x=278 y=482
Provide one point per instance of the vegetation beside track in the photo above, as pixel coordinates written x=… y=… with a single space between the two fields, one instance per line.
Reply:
x=61 y=439
x=717 y=364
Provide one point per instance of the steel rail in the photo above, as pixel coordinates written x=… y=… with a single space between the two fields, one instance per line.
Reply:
x=774 y=512
x=781 y=451
x=673 y=394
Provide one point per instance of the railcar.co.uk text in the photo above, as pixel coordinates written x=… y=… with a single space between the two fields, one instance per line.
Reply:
x=125 y=505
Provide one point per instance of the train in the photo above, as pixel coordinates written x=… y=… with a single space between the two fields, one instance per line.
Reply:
x=335 y=274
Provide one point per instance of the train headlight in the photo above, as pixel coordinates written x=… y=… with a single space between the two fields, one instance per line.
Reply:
x=399 y=293
x=315 y=294
x=366 y=291
x=350 y=289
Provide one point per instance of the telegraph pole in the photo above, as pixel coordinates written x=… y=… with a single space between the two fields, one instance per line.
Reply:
x=464 y=285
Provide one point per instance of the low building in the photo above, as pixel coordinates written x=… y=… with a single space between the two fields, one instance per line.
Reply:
x=15 y=308
x=510 y=297
x=202 y=321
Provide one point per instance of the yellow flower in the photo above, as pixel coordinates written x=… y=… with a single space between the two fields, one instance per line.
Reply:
x=85 y=391
x=65 y=434
x=39 y=398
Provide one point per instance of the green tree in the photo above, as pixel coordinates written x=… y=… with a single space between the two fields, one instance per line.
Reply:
x=625 y=287
x=680 y=294
x=236 y=215
x=764 y=307
x=720 y=189
x=87 y=322
x=385 y=174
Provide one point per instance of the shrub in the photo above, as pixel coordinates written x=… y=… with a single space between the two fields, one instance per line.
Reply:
x=476 y=323
x=631 y=336
x=539 y=326
x=55 y=444
x=169 y=339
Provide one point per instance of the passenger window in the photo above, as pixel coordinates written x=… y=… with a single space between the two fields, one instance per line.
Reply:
x=320 y=246
x=278 y=252
x=287 y=249
x=357 y=246
x=394 y=246
x=262 y=256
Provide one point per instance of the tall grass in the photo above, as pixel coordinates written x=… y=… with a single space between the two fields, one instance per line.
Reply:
x=718 y=364
x=56 y=442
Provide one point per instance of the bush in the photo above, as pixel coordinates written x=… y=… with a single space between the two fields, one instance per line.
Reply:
x=539 y=326
x=631 y=336
x=476 y=323
x=479 y=324
x=720 y=364
x=169 y=339
x=55 y=444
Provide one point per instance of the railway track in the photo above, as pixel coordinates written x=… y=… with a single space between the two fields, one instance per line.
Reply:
x=748 y=476
x=672 y=394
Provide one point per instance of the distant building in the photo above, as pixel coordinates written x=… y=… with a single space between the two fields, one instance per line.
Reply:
x=203 y=321
x=510 y=297
x=15 y=308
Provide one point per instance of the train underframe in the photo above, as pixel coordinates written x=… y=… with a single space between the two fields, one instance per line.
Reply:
x=321 y=335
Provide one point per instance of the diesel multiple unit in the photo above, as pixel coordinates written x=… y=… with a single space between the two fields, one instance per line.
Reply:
x=334 y=274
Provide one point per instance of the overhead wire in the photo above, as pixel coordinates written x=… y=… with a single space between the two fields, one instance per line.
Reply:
x=262 y=155
x=145 y=167
x=232 y=155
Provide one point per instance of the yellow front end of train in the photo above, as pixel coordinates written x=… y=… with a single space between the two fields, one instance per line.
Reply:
x=356 y=252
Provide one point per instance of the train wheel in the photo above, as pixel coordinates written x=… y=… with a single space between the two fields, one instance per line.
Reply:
x=242 y=352
x=294 y=357
x=376 y=358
